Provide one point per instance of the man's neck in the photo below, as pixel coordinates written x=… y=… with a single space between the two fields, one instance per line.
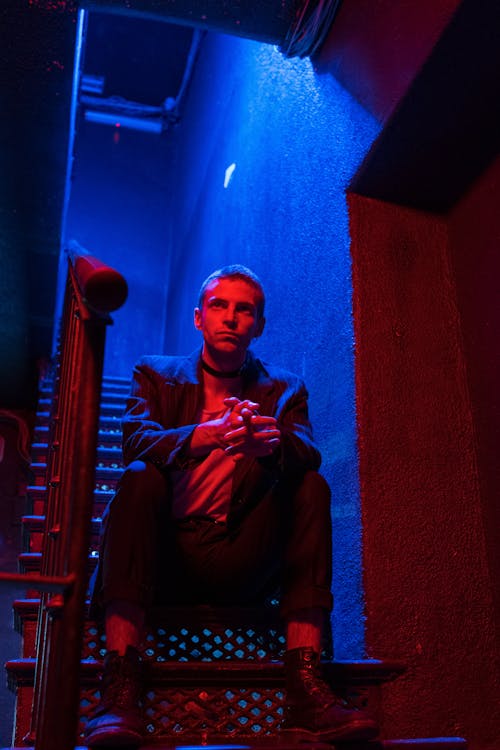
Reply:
x=216 y=389
x=222 y=365
x=221 y=378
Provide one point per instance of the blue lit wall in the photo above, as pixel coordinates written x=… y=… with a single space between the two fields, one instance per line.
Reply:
x=161 y=214
x=119 y=211
x=296 y=139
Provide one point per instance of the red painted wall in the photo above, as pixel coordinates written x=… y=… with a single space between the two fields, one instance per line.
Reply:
x=475 y=243
x=376 y=48
x=428 y=580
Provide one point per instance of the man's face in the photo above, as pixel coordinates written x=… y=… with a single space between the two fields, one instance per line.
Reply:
x=229 y=318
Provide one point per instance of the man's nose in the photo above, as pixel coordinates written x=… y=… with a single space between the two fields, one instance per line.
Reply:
x=230 y=318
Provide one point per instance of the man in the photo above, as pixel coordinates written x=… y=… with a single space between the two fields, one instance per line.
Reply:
x=222 y=478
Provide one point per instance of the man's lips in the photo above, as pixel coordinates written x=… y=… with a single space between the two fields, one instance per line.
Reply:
x=229 y=335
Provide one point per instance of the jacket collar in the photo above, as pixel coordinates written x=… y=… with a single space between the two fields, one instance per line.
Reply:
x=255 y=375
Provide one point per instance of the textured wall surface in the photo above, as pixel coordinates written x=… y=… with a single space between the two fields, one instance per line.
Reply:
x=474 y=241
x=428 y=580
x=296 y=138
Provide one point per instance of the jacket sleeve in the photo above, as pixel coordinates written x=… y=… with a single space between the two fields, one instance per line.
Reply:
x=297 y=452
x=149 y=430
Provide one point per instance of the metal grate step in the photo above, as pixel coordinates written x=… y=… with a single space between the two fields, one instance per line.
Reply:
x=209 y=702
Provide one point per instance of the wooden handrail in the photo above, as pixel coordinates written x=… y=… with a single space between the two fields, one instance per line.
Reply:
x=102 y=288
x=92 y=291
x=42 y=583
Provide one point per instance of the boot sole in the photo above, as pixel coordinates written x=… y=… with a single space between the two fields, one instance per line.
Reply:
x=363 y=730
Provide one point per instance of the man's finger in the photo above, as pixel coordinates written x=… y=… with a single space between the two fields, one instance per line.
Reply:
x=259 y=420
x=238 y=405
x=240 y=437
x=231 y=401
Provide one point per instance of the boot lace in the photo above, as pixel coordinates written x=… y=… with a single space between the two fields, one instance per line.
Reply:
x=319 y=688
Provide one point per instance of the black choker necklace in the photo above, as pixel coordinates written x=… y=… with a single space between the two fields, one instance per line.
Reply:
x=218 y=373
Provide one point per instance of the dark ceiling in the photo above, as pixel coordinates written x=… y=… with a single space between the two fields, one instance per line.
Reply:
x=140 y=59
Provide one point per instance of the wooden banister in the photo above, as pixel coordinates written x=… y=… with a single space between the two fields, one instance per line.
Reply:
x=93 y=290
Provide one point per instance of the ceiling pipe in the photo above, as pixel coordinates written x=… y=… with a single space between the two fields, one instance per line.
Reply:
x=123 y=113
x=298 y=27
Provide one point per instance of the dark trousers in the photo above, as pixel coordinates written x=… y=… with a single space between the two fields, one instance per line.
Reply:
x=149 y=558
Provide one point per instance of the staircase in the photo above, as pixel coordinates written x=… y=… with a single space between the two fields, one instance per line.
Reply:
x=214 y=675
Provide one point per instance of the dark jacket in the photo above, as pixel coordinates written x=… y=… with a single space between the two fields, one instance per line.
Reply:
x=167 y=395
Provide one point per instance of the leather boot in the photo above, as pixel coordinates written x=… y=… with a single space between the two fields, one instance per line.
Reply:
x=312 y=710
x=117 y=721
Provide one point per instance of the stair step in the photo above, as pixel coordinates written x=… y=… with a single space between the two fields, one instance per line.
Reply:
x=30 y=562
x=111 y=407
x=116 y=381
x=340 y=674
x=103 y=473
x=202 y=702
x=37 y=523
x=118 y=396
x=33 y=527
x=25 y=610
x=185 y=634
x=106 y=454
x=109 y=382
x=37 y=495
x=106 y=422
x=106 y=436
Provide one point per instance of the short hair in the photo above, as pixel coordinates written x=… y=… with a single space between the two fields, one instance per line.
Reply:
x=242 y=273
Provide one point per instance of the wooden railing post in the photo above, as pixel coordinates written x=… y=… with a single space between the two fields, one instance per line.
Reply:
x=93 y=290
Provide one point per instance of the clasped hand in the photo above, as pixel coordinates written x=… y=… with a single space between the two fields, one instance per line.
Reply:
x=249 y=433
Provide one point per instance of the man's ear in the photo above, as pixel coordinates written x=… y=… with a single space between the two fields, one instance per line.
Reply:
x=260 y=327
x=197 y=318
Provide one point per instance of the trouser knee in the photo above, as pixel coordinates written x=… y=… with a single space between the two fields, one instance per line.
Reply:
x=140 y=494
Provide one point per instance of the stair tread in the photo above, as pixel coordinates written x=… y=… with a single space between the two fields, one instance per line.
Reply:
x=104 y=435
x=41 y=490
x=103 y=420
x=242 y=673
x=39 y=468
x=36 y=523
x=107 y=397
x=48 y=380
x=101 y=450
